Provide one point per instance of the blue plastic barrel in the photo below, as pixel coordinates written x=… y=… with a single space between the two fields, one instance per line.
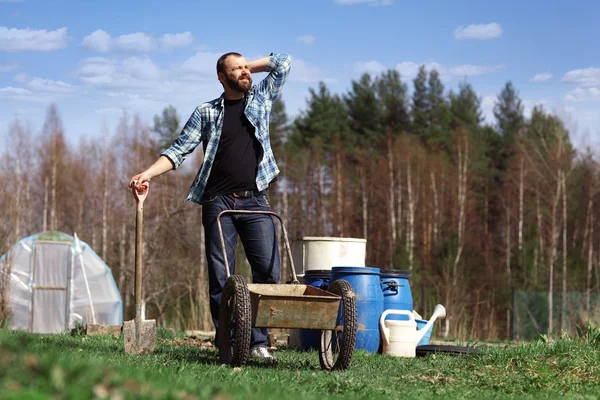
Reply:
x=309 y=338
x=396 y=290
x=369 y=300
x=317 y=278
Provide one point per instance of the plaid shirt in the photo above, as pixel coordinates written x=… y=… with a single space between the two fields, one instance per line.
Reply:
x=206 y=123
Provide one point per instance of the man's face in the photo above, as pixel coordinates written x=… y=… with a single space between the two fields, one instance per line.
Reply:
x=237 y=74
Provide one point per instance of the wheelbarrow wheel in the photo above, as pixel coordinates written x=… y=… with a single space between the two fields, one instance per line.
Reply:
x=336 y=346
x=235 y=325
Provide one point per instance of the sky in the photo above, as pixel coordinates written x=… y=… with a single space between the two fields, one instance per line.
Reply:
x=95 y=59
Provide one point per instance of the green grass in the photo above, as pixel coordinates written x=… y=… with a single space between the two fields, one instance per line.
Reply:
x=82 y=367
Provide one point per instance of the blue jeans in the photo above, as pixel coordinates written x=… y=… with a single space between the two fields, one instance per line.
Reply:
x=259 y=238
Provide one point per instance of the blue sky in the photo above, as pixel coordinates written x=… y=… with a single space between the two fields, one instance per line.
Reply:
x=95 y=59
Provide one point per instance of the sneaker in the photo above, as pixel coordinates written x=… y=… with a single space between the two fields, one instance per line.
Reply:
x=262 y=353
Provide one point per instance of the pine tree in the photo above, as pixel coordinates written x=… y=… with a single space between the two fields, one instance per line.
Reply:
x=364 y=111
x=167 y=127
x=392 y=94
x=420 y=105
x=465 y=107
x=508 y=111
x=325 y=117
x=438 y=134
x=278 y=125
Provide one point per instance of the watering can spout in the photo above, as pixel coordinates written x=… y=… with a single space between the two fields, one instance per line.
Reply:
x=438 y=312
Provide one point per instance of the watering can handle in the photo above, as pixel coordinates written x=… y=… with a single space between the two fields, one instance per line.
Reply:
x=385 y=332
x=140 y=196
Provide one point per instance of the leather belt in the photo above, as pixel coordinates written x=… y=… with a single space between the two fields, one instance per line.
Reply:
x=248 y=193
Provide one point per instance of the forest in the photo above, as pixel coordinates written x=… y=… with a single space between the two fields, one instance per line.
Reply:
x=477 y=212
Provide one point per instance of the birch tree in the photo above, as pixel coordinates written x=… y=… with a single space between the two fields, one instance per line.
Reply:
x=392 y=94
x=52 y=155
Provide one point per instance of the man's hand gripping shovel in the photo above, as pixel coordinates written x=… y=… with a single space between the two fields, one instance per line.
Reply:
x=139 y=335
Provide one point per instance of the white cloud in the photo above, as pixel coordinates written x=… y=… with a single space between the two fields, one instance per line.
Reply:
x=15 y=94
x=131 y=72
x=487 y=107
x=528 y=106
x=541 y=77
x=96 y=71
x=409 y=70
x=99 y=41
x=7 y=67
x=306 y=39
x=109 y=111
x=478 y=31
x=202 y=65
x=582 y=124
x=141 y=68
x=44 y=85
x=461 y=71
x=369 y=2
x=138 y=41
x=12 y=39
x=369 y=67
x=138 y=84
x=36 y=90
x=307 y=73
x=583 y=94
x=489 y=100
x=137 y=101
x=129 y=96
x=48 y=85
x=174 y=40
x=583 y=77
x=14 y=90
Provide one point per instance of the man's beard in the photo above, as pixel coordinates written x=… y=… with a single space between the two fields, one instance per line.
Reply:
x=242 y=87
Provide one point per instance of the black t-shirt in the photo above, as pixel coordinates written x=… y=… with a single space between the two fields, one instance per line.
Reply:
x=236 y=161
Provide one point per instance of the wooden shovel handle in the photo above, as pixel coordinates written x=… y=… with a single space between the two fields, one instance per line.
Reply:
x=140 y=196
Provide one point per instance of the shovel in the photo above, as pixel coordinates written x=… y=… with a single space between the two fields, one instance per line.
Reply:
x=139 y=335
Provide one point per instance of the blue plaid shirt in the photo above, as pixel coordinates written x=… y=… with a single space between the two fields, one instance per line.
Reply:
x=206 y=123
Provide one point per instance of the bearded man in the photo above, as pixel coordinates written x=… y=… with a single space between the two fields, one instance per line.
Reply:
x=238 y=168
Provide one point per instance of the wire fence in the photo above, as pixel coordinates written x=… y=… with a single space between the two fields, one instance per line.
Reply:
x=531 y=313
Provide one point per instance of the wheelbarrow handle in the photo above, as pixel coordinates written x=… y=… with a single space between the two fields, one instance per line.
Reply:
x=140 y=196
x=285 y=238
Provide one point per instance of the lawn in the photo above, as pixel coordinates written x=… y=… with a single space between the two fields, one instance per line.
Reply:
x=82 y=367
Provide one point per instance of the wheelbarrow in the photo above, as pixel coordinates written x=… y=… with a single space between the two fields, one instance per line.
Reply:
x=286 y=306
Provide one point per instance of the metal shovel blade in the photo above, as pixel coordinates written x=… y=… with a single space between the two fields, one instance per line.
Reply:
x=139 y=336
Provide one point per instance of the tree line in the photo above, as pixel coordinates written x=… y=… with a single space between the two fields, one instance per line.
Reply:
x=473 y=210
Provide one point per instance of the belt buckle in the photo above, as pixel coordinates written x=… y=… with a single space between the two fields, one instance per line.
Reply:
x=245 y=194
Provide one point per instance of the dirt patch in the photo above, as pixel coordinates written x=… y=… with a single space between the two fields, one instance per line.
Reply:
x=190 y=341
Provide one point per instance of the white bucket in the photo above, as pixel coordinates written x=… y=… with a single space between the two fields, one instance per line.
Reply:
x=313 y=253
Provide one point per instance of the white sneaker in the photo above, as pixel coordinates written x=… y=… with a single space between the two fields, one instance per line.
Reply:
x=262 y=352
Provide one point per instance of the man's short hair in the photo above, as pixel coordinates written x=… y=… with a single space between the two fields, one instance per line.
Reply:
x=221 y=60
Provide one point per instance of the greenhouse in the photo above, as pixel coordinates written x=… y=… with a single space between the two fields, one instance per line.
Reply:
x=55 y=282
